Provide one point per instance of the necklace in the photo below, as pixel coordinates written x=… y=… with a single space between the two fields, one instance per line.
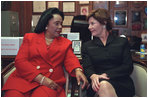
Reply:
x=50 y=40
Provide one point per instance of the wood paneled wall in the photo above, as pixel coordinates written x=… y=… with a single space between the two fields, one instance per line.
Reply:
x=130 y=7
x=24 y=8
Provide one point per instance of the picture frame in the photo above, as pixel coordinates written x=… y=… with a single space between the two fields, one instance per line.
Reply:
x=84 y=10
x=136 y=16
x=120 y=18
x=136 y=27
x=35 y=19
x=100 y=4
x=69 y=6
x=67 y=20
x=145 y=23
x=83 y=2
x=121 y=4
x=76 y=45
x=51 y=4
x=144 y=37
x=66 y=29
x=72 y=35
x=39 y=6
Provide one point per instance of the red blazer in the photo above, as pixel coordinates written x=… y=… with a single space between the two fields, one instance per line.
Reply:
x=34 y=58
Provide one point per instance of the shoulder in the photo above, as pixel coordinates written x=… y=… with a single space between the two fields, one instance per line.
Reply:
x=121 y=39
x=30 y=35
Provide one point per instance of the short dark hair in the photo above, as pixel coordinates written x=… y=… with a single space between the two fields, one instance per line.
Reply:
x=45 y=17
x=102 y=15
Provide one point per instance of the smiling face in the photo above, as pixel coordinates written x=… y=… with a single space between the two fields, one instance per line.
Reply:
x=54 y=26
x=95 y=27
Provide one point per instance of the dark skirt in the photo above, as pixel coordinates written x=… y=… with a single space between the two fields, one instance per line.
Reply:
x=124 y=87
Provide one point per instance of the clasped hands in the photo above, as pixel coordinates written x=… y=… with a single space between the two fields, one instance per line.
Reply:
x=95 y=80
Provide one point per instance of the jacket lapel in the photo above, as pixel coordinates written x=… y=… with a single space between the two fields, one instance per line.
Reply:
x=110 y=39
x=42 y=48
x=54 y=48
x=97 y=41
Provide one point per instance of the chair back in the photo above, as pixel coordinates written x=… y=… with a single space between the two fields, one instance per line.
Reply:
x=139 y=76
x=6 y=72
x=67 y=82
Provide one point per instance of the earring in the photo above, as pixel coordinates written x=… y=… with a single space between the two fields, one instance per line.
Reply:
x=104 y=26
x=46 y=28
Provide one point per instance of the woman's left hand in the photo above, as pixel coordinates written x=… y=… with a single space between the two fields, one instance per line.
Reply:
x=80 y=76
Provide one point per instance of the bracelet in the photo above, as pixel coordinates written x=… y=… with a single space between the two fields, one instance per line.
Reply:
x=78 y=69
x=41 y=82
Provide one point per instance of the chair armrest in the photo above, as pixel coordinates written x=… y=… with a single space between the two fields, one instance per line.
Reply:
x=76 y=90
x=67 y=83
x=5 y=74
x=74 y=86
x=82 y=92
x=7 y=68
x=6 y=71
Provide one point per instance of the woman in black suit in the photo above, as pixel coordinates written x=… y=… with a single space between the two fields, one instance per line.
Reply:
x=106 y=59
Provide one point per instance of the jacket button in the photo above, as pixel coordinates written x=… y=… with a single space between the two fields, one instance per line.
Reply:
x=38 y=67
x=50 y=70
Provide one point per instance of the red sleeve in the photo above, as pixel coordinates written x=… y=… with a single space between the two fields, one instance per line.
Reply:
x=71 y=61
x=23 y=67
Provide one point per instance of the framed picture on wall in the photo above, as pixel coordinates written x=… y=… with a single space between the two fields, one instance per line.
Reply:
x=67 y=20
x=100 y=4
x=144 y=37
x=66 y=29
x=76 y=45
x=136 y=16
x=136 y=27
x=83 y=2
x=84 y=10
x=120 y=18
x=39 y=6
x=52 y=4
x=68 y=6
x=35 y=19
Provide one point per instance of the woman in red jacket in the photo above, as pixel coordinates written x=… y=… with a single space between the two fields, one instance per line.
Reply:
x=40 y=61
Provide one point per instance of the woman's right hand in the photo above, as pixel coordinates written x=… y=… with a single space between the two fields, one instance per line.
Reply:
x=47 y=82
x=95 y=80
x=51 y=84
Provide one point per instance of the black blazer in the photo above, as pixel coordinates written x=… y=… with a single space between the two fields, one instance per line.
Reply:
x=114 y=59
